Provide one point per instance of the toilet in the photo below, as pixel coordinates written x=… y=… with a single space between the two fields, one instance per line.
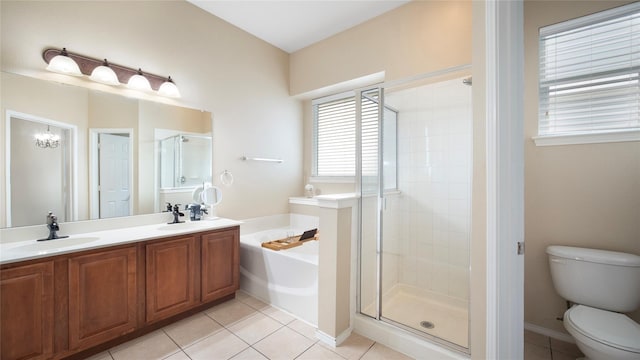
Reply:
x=602 y=285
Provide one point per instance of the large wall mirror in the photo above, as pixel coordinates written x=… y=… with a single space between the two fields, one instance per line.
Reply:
x=115 y=156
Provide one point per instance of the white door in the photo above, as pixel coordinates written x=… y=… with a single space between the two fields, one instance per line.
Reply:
x=113 y=159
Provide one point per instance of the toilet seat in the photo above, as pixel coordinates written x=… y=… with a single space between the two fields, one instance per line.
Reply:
x=606 y=327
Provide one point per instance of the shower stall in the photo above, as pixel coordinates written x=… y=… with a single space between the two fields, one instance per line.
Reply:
x=414 y=170
x=185 y=161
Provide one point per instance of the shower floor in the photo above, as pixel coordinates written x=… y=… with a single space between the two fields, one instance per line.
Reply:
x=410 y=306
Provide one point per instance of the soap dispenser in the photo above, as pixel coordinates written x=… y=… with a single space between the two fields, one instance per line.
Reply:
x=196 y=211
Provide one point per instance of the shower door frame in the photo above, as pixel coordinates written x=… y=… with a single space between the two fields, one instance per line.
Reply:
x=358 y=94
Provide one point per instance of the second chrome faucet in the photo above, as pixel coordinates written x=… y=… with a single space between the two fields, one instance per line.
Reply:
x=176 y=213
x=52 y=225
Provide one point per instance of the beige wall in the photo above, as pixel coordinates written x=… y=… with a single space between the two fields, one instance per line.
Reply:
x=414 y=39
x=577 y=195
x=242 y=80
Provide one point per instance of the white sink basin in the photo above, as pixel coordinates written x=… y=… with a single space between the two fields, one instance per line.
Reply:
x=55 y=244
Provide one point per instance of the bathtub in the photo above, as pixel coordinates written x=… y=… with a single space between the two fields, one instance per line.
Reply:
x=286 y=279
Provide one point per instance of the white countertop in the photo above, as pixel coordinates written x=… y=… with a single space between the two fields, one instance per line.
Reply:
x=31 y=249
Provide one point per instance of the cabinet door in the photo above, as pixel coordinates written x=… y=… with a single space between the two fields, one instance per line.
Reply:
x=170 y=272
x=26 y=294
x=102 y=296
x=220 y=264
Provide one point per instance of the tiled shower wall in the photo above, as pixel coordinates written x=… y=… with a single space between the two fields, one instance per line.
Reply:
x=427 y=225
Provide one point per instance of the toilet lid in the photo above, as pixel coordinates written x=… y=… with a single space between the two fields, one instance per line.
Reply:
x=607 y=327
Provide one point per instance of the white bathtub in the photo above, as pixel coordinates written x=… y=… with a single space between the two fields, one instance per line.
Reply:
x=287 y=279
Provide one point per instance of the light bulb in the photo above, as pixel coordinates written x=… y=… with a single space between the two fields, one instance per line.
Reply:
x=169 y=89
x=63 y=64
x=104 y=74
x=139 y=82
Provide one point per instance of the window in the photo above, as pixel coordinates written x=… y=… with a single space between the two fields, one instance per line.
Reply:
x=334 y=120
x=590 y=77
x=335 y=137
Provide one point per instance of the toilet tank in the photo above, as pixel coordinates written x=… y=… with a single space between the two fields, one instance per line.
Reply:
x=602 y=279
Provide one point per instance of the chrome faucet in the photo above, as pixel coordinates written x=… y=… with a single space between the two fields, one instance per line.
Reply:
x=52 y=224
x=176 y=214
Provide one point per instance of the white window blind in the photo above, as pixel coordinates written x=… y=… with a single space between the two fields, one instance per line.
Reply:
x=590 y=74
x=335 y=136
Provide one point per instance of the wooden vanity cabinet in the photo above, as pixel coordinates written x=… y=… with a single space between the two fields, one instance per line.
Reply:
x=220 y=264
x=79 y=302
x=27 y=303
x=102 y=296
x=171 y=277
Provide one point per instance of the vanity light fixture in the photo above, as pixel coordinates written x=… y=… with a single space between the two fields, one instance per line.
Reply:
x=169 y=89
x=104 y=74
x=99 y=71
x=47 y=139
x=64 y=64
x=139 y=82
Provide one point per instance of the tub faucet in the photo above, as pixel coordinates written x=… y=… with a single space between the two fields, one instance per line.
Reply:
x=52 y=224
x=176 y=214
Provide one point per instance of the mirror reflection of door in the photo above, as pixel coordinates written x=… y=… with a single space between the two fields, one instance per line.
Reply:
x=114 y=154
x=39 y=173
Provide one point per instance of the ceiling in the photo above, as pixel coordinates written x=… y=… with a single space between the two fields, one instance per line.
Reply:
x=294 y=24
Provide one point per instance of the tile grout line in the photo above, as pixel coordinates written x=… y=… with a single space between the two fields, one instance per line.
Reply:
x=304 y=351
x=262 y=338
x=180 y=349
x=296 y=331
x=241 y=339
x=368 y=349
x=259 y=352
x=199 y=340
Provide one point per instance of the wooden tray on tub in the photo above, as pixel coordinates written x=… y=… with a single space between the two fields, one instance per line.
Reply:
x=283 y=244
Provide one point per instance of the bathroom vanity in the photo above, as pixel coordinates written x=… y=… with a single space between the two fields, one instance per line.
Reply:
x=111 y=286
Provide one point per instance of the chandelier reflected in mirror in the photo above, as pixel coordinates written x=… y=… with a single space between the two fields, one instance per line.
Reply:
x=47 y=139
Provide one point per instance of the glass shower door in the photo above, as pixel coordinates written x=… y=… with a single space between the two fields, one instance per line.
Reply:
x=415 y=208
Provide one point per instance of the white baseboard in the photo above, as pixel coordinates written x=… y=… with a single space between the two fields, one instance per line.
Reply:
x=330 y=340
x=550 y=333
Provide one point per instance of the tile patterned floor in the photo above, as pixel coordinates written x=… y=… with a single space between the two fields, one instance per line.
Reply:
x=243 y=328
x=540 y=347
